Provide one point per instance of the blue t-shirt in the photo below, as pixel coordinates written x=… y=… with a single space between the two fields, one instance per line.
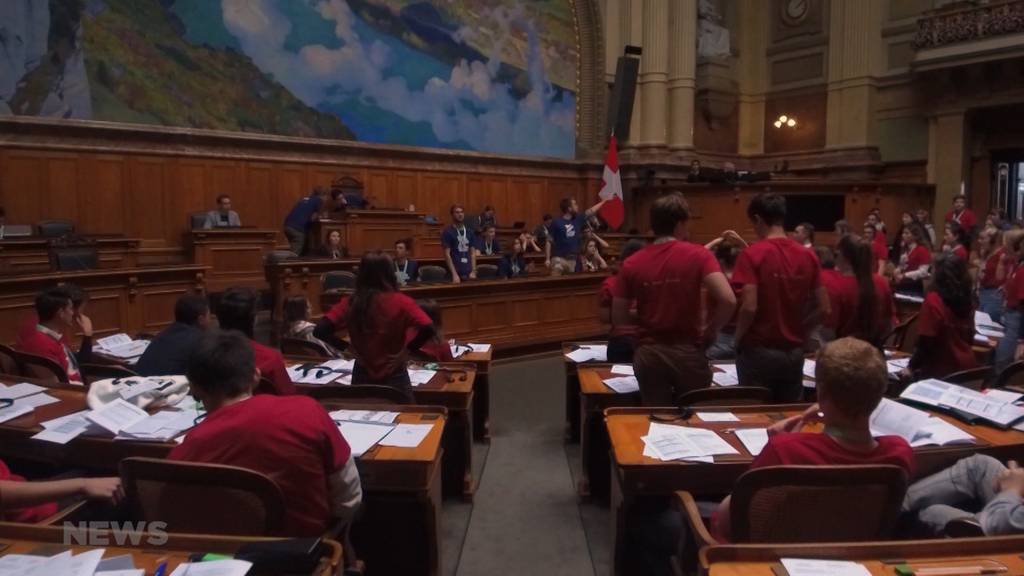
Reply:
x=481 y=245
x=512 y=266
x=303 y=212
x=458 y=243
x=565 y=236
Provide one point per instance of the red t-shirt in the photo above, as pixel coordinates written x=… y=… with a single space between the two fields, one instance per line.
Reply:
x=960 y=252
x=988 y=272
x=393 y=315
x=271 y=366
x=879 y=250
x=919 y=256
x=665 y=280
x=786 y=275
x=953 y=337
x=844 y=298
x=29 y=515
x=290 y=439
x=437 y=351
x=966 y=218
x=1014 y=287
x=605 y=295
x=39 y=344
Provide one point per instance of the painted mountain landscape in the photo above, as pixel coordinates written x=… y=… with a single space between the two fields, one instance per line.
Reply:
x=493 y=76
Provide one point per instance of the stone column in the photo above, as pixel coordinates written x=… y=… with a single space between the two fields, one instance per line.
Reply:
x=653 y=81
x=855 y=58
x=947 y=159
x=682 y=70
x=631 y=32
x=753 y=75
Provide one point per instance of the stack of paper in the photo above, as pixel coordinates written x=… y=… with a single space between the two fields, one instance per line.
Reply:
x=806 y=567
x=407 y=435
x=160 y=427
x=324 y=373
x=753 y=439
x=65 y=564
x=668 y=442
x=121 y=346
x=458 y=349
x=915 y=426
x=213 y=568
x=417 y=377
x=27 y=397
x=994 y=408
x=122 y=419
x=623 y=369
x=984 y=320
x=380 y=416
x=361 y=436
x=895 y=365
x=589 y=353
x=623 y=384
x=727 y=376
x=481 y=348
x=717 y=417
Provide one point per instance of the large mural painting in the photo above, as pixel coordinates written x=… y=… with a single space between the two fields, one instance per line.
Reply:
x=493 y=76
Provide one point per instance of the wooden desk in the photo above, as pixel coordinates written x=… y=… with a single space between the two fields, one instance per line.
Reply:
x=481 y=392
x=595 y=397
x=123 y=300
x=637 y=476
x=452 y=388
x=233 y=255
x=31 y=254
x=29 y=538
x=365 y=230
x=758 y=559
x=572 y=389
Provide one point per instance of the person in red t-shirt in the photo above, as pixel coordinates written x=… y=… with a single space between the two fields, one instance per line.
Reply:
x=992 y=273
x=956 y=240
x=1013 y=286
x=961 y=214
x=236 y=310
x=56 y=313
x=783 y=302
x=437 y=348
x=665 y=280
x=621 y=337
x=726 y=248
x=861 y=301
x=379 y=320
x=851 y=379
x=291 y=439
x=878 y=248
x=33 y=502
x=945 y=324
x=915 y=262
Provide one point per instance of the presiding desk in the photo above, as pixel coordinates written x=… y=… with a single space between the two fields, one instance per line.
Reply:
x=233 y=255
x=880 y=558
x=120 y=300
x=49 y=540
x=635 y=476
x=366 y=230
x=31 y=254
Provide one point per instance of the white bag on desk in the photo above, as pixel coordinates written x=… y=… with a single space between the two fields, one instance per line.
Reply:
x=151 y=392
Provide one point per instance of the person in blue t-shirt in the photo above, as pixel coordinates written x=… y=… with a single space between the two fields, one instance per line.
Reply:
x=513 y=263
x=457 y=241
x=487 y=243
x=565 y=231
x=296 y=224
x=406 y=269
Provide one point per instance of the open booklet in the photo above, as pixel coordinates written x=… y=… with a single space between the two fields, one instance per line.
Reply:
x=996 y=409
x=917 y=427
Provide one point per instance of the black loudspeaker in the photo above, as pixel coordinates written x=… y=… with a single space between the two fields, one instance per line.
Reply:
x=620 y=106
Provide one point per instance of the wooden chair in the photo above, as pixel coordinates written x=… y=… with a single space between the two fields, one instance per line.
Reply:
x=486 y=271
x=904 y=336
x=1011 y=377
x=9 y=361
x=975 y=378
x=433 y=274
x=358 y=394
x=196 y=220
x=337 y=280
x=203 y=498
x=73 y=254
x=299 y=347
x=727 y=396
x=778 y=504
x=43 y=369
x=93 y=372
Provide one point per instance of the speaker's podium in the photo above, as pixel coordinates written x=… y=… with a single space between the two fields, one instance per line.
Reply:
x=234 y=255
x=365 y=230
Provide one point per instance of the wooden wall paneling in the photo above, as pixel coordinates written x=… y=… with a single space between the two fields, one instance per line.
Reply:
x=323 y=175
x=149 y=203
x=406 y=193
x=441 y=190
x=493 y=191
x=290 y=183
x=378 y=189
x=21 y=185
x=189 y=192
x=60 y=197
x=530 y=199
x=255 y=203
x=108 y=310
x=104 y=202
x=224 y=178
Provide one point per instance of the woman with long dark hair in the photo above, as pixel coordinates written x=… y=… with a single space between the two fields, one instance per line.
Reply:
x=915 y=262
x=862 y=304
x=957 y=241
x=906 y=220
x=377 y=318
x=945 y=324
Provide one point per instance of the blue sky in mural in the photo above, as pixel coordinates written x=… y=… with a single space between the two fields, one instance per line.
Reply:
x=465 y=74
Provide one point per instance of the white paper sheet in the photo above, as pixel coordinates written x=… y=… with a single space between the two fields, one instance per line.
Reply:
x=417 y=377
x=1005 y=396
x=809 y=366
x=19 y=390
x=12 y=412
x=213 y=568
x=482 y=348
x=64 y=429
x=340 y=364
x=938 y=432
x=361 y=436
x=984 y=319
x=753 y=439
x=407 y=435
x=938 y=393
x=36 y=400
x=111 y=342
x=117 y=415
x=724 y=379
x=623 y=384
x=624 y=369
x=132 y=387
x=895 y=365
x=459 y=350
x=718 y=416
x=989 y=332
x=161 y=426
x=381 y=416
x=908 y=297
x=589 y=353
x=806 y=567
x=130 y=572
x=127 y=351
x=894 y=419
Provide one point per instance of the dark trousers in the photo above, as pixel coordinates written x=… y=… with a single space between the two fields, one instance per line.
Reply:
x=667 y=371
x=399 y=380
x=781 y=371
x=620 y=349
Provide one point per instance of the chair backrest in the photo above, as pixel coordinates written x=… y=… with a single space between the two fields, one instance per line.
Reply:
x=1012 y=375
x=727 y=396
x=9 y=361
x=486 y=271
x=279 y=255
x=196 y=220
x=359 y=394
x=337 y=279
x=907 y=335
x=72 y=258
x=433 y=274
x=94 y=372
x=975 y=378
x=299 y=347
x=816 y=503
x=203 y=498
x=54 y=228
x=42 y=368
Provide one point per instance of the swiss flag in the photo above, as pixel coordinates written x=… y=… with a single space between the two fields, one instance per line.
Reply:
x=613 y=211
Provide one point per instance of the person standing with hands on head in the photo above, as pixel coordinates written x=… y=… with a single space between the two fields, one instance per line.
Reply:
x=783 y=301
x=664 y=281
x=223 y=216
x=566 y=231
x=458 y=241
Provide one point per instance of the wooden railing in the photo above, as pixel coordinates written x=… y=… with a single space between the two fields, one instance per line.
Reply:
x=969 y=23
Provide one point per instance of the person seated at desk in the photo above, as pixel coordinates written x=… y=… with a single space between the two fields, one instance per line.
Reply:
x=458 y=242
x=487 y=243
x=79 y=300
x=169 y=352
x=976 y=488
x=621 y=337
x=378 y=319
x=851 y=380
x=528 y=240
x=56 y=313
x=406 y=269
x=590 y=260
x=333 y=249
x=945 y=324
x=297 y=223
x=513 y=263
x=236 y=310
x=223 y=216
x=297 y=312
x=437 y=348
x=695 y=175
x=34 y=501
x=291 y=439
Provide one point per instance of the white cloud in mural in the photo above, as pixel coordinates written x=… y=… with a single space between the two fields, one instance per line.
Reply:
x=494 y=120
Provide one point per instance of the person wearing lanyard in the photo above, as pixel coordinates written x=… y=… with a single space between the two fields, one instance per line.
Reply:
x=406 y=269
x=56 y=314
x=513 y=263
x=457 y=240
x=487 y=244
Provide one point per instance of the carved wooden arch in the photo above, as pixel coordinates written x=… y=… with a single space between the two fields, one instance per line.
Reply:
x=590 y=88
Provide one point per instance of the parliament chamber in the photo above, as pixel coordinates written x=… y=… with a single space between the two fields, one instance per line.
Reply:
x=467 y=287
